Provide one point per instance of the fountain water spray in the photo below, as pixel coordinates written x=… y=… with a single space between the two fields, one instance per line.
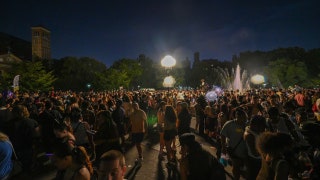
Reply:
x=237 y=84
x=234 y=80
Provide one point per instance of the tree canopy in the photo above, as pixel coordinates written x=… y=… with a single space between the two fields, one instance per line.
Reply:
x=33 y=76
x=281 y=67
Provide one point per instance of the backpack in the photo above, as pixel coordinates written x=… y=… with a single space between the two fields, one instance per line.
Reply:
x=218 y=171
x=203 y=165
x=93 y=176
x=299 y=163
x=80 y=133
x=290 y=126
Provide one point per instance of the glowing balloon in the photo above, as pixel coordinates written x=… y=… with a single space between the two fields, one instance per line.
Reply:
x=211 y=96
x=257 y=79
x=168 y=61
x=168 y=81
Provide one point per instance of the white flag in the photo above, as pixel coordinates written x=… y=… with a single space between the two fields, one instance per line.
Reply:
x=16 y=81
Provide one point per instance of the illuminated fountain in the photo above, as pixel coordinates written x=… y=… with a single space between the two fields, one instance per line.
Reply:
x=234 y=80
x=237 y=84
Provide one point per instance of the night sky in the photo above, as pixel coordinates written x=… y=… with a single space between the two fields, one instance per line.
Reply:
x=108 y=30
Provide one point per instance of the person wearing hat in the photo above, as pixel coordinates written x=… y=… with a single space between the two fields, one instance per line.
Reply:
x=196 y=162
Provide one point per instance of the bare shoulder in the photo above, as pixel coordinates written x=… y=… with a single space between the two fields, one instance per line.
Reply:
x=83 y=174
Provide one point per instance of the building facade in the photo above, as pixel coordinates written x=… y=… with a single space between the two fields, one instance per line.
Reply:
x=41 y=43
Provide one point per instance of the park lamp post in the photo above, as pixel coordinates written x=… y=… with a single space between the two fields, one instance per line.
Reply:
x=88 y=85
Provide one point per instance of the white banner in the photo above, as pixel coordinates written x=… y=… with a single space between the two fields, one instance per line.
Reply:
x=16 y=83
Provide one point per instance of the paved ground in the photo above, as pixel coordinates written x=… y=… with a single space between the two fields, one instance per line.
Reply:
x=151 y=168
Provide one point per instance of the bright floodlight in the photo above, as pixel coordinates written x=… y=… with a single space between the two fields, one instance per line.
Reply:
x=168 y=61
x=257 y=79
x=169 y=81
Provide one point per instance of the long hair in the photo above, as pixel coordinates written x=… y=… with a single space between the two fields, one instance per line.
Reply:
x=273 y=143
x=170 y=114
x=3 y=137
x=201 y=100
x=75 y=115
x=107 y=118
x=20 y=111
x=184 y=114
x=80 y=156
x=62 y=125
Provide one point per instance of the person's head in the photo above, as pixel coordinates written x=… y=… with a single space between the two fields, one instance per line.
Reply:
x=80 y=157
x=20 y=111
x=48 y=104
x=103 y=116
x=255 y=99
x=75 y=114
x=178 y=107
x=273 y=145
x=274 y=114
x=162 y=105
x=85 y=105
x=61 y=128
x=301 y=115
x=112 y=166
x=274 y=99
x=188 y=144
x=258 y=123
x=110 y=104
x=119 y=102
x=184 y=106
x=170 y=113
x=135 y=106
x=103 y=107
x=241 y=115
x=126 y=98
x=74 y=100
x=201 y=100
x=288 y=107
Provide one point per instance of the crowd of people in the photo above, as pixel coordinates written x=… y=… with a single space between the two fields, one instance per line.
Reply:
x=81 y=132
x=71 y=130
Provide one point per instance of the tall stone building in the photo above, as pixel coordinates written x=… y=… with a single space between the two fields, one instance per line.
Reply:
x=41 y=43
x=196 y=57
